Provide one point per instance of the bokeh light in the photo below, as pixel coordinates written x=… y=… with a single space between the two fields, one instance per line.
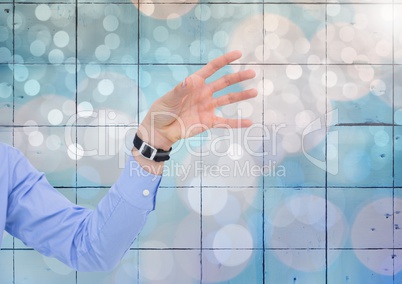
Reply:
x=76 y=80
x=169 y=9
x=373 y=228
x=306 y=214
x=353 y=32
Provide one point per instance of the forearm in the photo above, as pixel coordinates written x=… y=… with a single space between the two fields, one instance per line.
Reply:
x=88 y=240
x=118 y=219
x=108 y=234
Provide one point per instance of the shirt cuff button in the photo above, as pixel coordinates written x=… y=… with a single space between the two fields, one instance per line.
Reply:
x=145 y=192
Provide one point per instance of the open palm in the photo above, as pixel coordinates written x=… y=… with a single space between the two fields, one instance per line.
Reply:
x=189 y=108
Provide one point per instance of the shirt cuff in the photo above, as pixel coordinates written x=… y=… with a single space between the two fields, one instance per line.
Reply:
x=137 y=186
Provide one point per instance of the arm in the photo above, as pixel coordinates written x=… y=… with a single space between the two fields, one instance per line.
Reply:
x=87 y=240
x=96 y=240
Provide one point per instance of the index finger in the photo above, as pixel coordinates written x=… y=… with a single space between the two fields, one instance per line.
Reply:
x=218 y=63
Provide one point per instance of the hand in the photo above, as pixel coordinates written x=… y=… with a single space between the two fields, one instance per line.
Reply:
x=189 y=108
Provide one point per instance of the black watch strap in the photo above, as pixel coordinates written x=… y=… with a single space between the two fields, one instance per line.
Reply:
x=149 y=152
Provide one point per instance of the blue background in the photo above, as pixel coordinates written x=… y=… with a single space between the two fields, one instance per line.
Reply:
x=311 y=194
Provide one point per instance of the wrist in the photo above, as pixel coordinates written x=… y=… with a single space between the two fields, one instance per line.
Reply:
x=155 y=140
x=153 y=137
x=150 y=166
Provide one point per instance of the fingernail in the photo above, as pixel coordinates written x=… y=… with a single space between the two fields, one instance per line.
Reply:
x=184 y=84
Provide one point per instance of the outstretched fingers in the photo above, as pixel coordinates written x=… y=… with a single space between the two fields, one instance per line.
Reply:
x=218 y=63
x=232 y=79
x=236 y=97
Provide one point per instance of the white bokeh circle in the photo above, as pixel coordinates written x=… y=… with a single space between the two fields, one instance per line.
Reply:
x=306 y=214
x=171 y=9
x=156 y=265
x=237 y=243
x=213 y=200
x=373 y=228
x=43 y=12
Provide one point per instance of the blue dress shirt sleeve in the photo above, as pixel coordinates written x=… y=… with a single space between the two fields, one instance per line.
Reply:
x=87 y=240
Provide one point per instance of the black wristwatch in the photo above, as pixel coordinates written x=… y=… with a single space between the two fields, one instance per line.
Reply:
x=149 y=152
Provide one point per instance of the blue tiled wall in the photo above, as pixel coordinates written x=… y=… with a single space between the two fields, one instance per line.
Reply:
x=312 y=193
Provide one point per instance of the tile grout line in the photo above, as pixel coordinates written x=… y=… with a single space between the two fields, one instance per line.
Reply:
x=76 y=107
x=138 y=106
x=263 y=150
x=13 y=118
x=200 y=26
x=326 y=143
x=393 y=141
